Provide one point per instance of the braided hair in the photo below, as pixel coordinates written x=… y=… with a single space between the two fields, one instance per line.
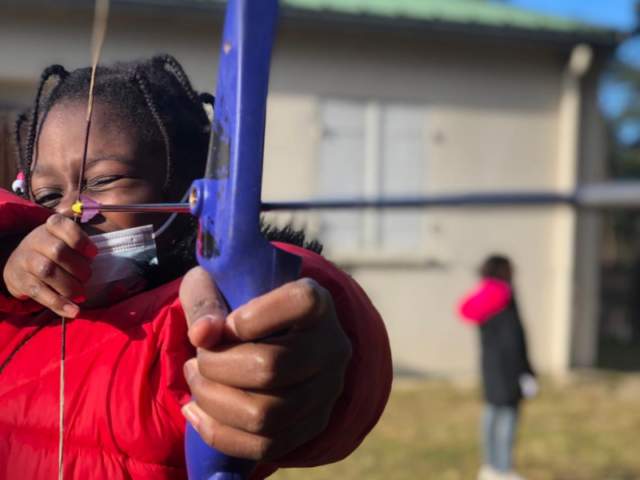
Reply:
x=157 y=97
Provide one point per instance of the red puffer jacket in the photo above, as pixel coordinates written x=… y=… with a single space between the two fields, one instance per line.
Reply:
x=125 y=386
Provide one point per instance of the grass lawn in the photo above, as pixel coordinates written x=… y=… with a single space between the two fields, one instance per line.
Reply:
x=588 y=429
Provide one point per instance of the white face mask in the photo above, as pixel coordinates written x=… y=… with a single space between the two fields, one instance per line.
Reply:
x=117 y=265
x=120 y=256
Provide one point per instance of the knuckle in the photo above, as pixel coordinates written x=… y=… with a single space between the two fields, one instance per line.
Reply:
x=256 y=421
x=306 y=288
x=257 y=415
x=56 y=221
x=266 y=370
x=314 y=298
x=55 y=302
x=46 y=269
x=56 y=248
x=34 y=290
x=307 y=294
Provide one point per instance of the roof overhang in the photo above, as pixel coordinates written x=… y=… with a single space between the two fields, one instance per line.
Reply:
x=598 y=38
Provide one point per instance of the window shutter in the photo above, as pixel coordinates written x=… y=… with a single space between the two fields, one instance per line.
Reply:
x=403 y=173
x=342 y=171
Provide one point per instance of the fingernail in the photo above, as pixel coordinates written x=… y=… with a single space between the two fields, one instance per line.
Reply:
x=80 y=299
x=190 y=369
x=91 y=250
x=190 y=414
x=205 y=319
x=70 y=310
x=231 y=321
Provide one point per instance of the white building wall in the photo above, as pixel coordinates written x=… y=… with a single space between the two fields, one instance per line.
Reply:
x=492 y=123
x=492 y=113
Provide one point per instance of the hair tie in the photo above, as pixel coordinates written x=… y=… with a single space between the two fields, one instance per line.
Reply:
x=207 y=98
x=18 y=185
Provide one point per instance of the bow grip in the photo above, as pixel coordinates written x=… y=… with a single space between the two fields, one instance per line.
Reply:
x=243 y=268
x=227 y=201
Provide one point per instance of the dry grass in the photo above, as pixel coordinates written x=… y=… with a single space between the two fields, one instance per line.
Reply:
x=586 y=430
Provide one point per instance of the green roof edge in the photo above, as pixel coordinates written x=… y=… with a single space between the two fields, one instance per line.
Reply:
x=478 y=15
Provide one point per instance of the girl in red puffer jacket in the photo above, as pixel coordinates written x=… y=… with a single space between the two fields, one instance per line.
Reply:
x=140 y=337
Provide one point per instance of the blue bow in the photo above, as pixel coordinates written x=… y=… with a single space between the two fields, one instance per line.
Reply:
x=227 y=201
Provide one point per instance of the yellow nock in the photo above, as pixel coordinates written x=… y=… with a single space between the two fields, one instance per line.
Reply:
x=77 y=208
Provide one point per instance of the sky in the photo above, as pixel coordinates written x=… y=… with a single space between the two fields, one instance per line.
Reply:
x=616 y=14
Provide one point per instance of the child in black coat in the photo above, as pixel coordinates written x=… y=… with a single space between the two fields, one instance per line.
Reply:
x=506 y=373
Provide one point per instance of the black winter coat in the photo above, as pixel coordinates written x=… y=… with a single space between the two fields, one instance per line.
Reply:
x=504 y=356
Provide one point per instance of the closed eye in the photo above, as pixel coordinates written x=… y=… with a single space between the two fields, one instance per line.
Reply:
x=49 y=200
x=103 y=181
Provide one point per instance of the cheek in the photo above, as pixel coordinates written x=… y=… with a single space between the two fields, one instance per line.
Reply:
x=114 y=221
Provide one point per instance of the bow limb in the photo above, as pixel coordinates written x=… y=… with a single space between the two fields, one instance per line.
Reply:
x=227 y=201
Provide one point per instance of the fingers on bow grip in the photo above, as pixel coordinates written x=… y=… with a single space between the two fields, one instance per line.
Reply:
x=261 y=448
x=299 y=304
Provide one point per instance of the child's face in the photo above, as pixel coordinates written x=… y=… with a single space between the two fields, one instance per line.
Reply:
x=119 y=168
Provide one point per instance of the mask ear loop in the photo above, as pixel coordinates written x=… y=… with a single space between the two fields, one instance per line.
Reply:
x=173 y=216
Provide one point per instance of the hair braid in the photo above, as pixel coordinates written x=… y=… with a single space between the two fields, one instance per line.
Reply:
x=53 y=70
x=179 y=74
x=182 y=78
x=144 y=87
x=155 y=98
x=17 y=141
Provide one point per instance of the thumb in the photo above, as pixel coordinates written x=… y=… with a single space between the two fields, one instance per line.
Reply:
x=204 y=308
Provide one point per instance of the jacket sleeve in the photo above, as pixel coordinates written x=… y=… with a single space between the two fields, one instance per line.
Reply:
x=17 y=218
x=368 y=376
x=484 y=301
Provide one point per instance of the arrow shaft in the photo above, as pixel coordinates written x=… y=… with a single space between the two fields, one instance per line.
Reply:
x=613 y=195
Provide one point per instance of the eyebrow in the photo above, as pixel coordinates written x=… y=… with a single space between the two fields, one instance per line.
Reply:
x=42 y=170
x=91 y=162
x=46 y=169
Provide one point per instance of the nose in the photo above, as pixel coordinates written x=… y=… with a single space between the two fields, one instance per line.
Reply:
x=64 y=207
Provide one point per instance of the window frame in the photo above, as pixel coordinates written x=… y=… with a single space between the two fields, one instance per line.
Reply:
x=372 y=250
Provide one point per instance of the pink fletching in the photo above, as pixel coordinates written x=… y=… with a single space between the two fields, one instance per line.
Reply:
x=89 y=208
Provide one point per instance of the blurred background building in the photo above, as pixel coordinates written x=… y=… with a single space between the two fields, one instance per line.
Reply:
x=392 y=98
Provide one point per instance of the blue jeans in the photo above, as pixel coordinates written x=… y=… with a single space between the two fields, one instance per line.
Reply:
x=498 y=434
